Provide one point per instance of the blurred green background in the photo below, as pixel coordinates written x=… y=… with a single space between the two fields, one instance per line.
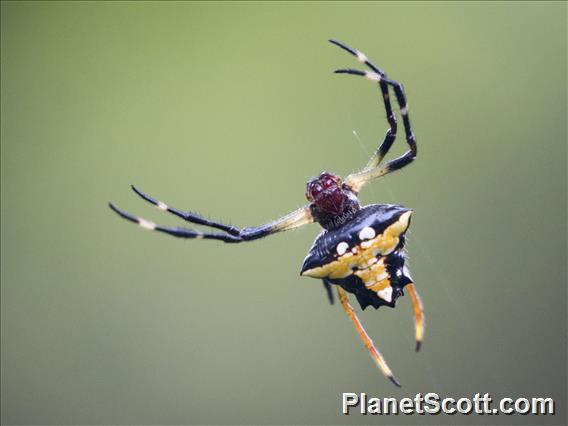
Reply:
x=227 y=109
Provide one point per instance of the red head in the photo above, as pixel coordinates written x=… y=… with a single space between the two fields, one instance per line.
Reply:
x=326 y=192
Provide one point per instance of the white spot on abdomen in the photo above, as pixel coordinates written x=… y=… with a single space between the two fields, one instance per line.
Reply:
x=385 y=294
x=162 y=206
x=342 y=248
x=367 y=233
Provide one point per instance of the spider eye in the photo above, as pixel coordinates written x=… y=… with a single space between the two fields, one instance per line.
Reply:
x=328 y=180
x=328 y=183
x=316 y=189
x=313 y=190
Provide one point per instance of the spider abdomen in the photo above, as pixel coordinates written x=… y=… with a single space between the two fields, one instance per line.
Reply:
x=365 y=256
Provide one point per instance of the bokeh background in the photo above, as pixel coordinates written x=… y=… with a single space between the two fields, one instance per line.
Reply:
x=227 y=109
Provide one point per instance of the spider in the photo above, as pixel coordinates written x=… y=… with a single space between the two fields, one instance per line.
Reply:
x=361 y=248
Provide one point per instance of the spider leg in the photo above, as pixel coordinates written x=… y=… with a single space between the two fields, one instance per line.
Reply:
x=293 y=220
x=177 y=231
x=302 y=216
x=391 y=132
x=358 y=180
x=375 y=354
x=418 y=315
x=329 y=291
x=372 y=169
x=186 y=215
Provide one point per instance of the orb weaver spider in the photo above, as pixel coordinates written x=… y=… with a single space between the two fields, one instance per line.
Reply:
x=361 y=249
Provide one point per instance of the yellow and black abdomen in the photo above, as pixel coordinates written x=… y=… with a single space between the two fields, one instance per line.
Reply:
x=365 y=256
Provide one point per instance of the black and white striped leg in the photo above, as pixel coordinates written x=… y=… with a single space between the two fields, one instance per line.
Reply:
x=176 y=231
x=187 y=215
x=372 y=169
x=358 y=180
x=391 y=132
x=300 y=217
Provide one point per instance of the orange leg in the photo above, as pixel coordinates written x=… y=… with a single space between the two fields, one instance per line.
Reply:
x=418 y=315
x=375 y=354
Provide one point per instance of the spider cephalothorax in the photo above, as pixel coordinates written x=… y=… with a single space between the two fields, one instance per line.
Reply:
x=361 y=249
x=325 y=191
x=332 y=202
